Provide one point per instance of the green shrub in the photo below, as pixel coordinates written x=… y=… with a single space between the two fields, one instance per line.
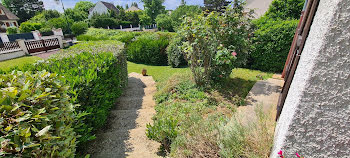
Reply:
x=37 y=117
x=27 y=27
x=164 y=22
x=271 y=44
x=96 y=73
x=61 y=22
x=149 y=49
x=87 y=38
x=12 y=30
x=79 y=28
x=175 y=54
x=126 y=37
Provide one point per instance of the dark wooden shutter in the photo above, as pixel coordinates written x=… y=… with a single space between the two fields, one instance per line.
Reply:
x=296 y=50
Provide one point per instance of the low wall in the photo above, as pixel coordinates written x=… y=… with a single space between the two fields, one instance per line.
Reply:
x=11 y=54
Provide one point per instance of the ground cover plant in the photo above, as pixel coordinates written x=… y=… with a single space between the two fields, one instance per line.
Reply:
x=192 y=121
x=96 y=73
x=37 y=116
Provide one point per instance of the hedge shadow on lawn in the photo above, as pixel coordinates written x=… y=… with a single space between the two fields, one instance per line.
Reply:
x=111 y=139
x=233 y=87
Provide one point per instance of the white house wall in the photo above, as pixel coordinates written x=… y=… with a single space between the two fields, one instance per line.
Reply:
x=99 y=8
x=315 y=120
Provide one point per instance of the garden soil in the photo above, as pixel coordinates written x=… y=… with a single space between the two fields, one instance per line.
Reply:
x=125 y=133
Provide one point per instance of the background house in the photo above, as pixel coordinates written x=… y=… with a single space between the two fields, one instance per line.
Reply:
x=7 y=18
x=259 y=6
x=133 y=9
x=102 y=8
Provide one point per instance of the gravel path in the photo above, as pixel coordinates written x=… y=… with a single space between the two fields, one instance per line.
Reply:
x=124 y=134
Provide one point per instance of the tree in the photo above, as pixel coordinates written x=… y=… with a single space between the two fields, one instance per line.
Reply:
x=216 y=5
x=153 y=8
x=127 y=6
x=50 y=14
x=179 y=13
x=145 y=20
x=24 y=9
x=134 y=4
x=183 y=3
x=75 y=14
x=164 y=22
x=84 y=6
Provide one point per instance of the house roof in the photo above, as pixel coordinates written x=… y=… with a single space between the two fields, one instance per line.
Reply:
x=133 y=8
x=8 y=14
x=110 y=6
x=259 y=6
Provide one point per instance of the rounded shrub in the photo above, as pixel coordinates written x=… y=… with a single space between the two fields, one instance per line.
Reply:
x=12 y=30
x=37 y=116
x=149 y=49
x=26 y=27
x=271 y=44
x=79 y=28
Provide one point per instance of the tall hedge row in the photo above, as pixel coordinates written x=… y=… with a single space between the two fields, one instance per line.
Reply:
x=271 y=44
x=96 y=73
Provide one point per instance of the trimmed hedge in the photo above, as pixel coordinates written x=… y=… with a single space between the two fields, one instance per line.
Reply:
x=149 y=49
x=271 y=44
x=37 y=116
x=96 y=73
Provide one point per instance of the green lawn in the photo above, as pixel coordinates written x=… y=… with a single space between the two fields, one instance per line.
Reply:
x=240 y=82
x=159 y=73
x=8 y=64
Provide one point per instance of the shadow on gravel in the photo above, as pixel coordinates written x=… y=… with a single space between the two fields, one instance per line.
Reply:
x=111 y=140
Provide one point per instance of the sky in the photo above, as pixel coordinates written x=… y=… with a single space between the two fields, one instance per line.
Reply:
x=169 y=4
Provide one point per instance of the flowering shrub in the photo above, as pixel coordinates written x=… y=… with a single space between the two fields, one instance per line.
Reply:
x=37 y=116
x=211 y=40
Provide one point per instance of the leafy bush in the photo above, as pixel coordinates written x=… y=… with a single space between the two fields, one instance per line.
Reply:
x=175 y=54
x=12 y=30
x=26 y=27
x=149 y=49
x=213 y=43
x=126 y=37
x=103 y=21
x=61 y=22
x=79 y=28
x=96 y=73
x=37 y=117
x=271 y=44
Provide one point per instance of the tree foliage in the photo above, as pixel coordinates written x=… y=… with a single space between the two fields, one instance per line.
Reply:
x=153 y=8
x=285 y=9
x=216 y=5
x=24 y=9
x=84 y=6
x=179 y=13
x=164 y=22
x=134 y=4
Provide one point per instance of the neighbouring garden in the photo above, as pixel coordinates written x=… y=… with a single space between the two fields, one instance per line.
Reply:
x=204 y=65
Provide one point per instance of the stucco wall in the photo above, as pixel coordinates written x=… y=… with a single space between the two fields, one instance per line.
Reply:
x=315 y=121
x=99 y=8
